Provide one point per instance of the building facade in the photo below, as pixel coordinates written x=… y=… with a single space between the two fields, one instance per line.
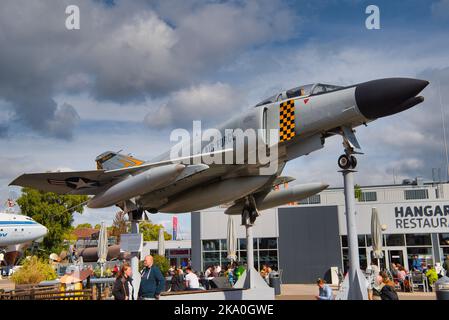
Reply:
x=177 y=251
x=306 y=239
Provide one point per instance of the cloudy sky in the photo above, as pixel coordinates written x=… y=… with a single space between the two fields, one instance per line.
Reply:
x=138 y=69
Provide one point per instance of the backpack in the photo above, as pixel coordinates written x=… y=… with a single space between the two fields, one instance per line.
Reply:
x=388 y=293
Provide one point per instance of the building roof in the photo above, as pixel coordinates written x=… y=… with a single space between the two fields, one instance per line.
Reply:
x=85 y=233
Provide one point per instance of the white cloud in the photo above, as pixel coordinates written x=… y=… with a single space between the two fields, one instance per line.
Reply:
x=207 y=102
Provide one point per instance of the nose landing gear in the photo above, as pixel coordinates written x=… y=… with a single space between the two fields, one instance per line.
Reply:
x=347 y=162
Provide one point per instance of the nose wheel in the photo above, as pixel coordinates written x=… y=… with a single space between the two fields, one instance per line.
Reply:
x=345 y=162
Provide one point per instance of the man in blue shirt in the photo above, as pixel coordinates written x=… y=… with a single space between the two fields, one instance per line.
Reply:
x=325 y=291
x=152 y=281
x=417 y=264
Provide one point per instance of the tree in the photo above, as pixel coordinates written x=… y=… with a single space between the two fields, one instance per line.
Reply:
x=53 y=211
x=119 y=225
x=160 y=261
x=84 y=225
x=150 y=231
x=357 y=192
x=97 y=226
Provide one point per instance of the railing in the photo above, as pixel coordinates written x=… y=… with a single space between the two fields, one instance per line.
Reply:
x=47 y=293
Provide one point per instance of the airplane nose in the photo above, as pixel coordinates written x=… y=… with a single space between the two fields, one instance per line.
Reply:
x=384 y=97
x=44 y=231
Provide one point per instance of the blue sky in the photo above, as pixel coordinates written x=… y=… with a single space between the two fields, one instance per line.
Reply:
x=138 y=69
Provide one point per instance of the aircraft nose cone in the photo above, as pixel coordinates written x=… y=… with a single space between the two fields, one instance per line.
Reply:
x=384 y=97
x=44 y=231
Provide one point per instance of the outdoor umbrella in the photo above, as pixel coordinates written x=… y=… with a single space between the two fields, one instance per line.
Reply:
x=161 y=243
x=231 y=240
x=102 y=246
x=376 y=235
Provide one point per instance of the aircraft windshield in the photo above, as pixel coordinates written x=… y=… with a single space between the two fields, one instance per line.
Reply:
x=307 y=90
x=299 y=91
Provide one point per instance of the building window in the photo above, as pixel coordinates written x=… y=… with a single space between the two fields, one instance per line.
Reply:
x=268 y=257
x=444 y=239
x=267 y=243
x=223 y=245
x=315 y=199
x=415 y=194
x=242 y=244
x=360 y=238
x=395 y=240
x=424 y=253
x=265 y=252
x=344 y=241
x=211 y=245
x=413 y=239
x=362 y=259
x=211 y=258
x=368 y=196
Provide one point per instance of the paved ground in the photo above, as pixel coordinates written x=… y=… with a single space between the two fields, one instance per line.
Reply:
x=294 y=292
x=6 y=284
x=309 y=291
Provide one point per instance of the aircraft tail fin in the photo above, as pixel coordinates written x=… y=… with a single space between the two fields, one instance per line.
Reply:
x=110 y=160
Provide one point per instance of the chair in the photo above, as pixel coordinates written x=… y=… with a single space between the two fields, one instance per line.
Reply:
x=418 y=279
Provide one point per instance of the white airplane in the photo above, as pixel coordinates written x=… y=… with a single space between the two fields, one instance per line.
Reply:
x=17 y=231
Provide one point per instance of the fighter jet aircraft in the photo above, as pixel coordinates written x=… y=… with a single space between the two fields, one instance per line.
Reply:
x=304 y=118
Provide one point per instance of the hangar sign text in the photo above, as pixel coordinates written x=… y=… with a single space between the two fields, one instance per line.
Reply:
x=430 y=216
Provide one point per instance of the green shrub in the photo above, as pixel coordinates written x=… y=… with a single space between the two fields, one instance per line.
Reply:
x=160 y=261
x=34 y=270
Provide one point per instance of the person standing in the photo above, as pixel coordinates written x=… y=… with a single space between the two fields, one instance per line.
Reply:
x=152 y=281
x=123 y=286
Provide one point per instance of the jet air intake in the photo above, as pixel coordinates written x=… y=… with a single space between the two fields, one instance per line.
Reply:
x=385 y=97
x=133 y=186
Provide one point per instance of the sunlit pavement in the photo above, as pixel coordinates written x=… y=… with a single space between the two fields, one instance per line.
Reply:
x=309 y=291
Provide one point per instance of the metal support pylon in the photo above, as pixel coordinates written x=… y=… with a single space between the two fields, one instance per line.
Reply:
x=357 y=288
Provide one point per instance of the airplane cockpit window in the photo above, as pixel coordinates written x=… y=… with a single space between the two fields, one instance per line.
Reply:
x=299 y=91
x=267 y=101
x=309 y=89
x=320 y=88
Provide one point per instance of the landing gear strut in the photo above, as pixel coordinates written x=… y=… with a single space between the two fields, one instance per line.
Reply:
x=249 y=216
x=356 y=286
x=249 y=212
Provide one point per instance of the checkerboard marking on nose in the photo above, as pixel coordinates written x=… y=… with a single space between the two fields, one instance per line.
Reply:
x=287 y=120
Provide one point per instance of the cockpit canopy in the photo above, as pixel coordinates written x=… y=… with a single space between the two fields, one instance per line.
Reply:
x=307 y=90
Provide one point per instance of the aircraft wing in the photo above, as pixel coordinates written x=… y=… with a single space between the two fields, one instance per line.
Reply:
x=74 y=182
x=89 y=182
